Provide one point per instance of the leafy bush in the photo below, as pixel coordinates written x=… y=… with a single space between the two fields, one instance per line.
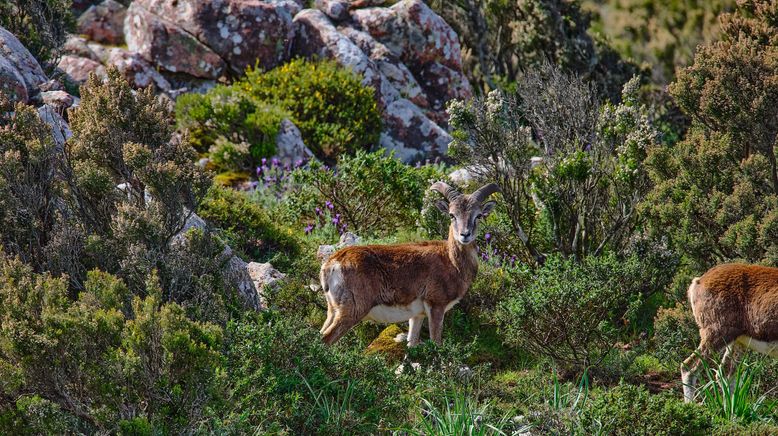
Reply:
x=89 y=362
x=629 y=410
x=372 y=192
x=284 y=377
x=227 y=115
x=246 y=228
x=675 y=335
x=572 y=312
x=571 y=171
x=335 y=113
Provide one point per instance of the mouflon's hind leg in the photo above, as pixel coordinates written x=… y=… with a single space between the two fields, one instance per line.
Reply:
x=414 y=330
x=330 y=313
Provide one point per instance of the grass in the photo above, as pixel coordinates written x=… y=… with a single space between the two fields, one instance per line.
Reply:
x=734 y=399
x=460 y=415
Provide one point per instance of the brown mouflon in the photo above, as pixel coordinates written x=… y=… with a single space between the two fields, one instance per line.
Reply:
x=735 y=307
x=394 y=283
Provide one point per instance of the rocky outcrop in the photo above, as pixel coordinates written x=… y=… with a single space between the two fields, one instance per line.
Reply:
x=104 y=22
x=265 y=279
x=241 y=32
x=20 y=74
x=409 y=55
x=77 y=68
x=346 y=240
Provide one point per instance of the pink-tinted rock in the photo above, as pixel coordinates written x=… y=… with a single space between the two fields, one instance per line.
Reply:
x=77 y=68
x=317 y=37
x=290 y=147
x=103 y=22
x=59 y=100
x=137 y=70
x=335 y=9
x=411 y=134
x=414 y=32
x=20 y=59
x=242 y=32
x=170 y=47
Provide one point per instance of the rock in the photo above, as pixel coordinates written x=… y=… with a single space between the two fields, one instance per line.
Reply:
x=462 y=176
x=411 y=134
x=265 y=278
x=51 y=85
x=335 y=9
x=241 y=32
x=346 y=240
x=77 y=69
x=137 y=70
x=235 y=271
x=77 y=46
x=104 y=22
x=59 y=100
x=170 y=47
x=12 y=83
x=387 y=345
x=317 y=37
x=15 y=56
x=290 y=148
x=60 y=130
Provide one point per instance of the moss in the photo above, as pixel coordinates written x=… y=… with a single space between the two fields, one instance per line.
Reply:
x=386 y=345
x=231 y=178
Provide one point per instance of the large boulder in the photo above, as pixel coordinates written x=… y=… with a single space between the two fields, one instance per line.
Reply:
x=169 y=46
x=411 y=134
x=77 y=68
x=137 y=70
x=290 y=148
x=265 y=279
x=17 y=67
x=104 y=22
x=242 y=32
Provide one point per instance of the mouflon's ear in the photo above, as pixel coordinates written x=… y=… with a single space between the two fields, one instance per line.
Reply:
x=442 y=206
x=487 y=207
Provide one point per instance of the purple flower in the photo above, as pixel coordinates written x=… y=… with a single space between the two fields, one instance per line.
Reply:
x=488 y=237
x=264 y=161
x=318 y=210
x=308 y=229
x=259 y=172
x=329 y=205
x=298 y=163
x=336 y=220
x=274 y=162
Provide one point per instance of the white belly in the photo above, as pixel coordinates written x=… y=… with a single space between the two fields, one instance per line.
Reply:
x=391 y=314
x=768 y=348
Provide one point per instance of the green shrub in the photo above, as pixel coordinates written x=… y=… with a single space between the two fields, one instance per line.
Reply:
x=246 y=228
x=335 y=113
x=631 y=410
x=283 y=377
x=227 y=115
x=676 y=335
x=371 y=193
x=41 y=26
x=572 y=312
x=100 y=358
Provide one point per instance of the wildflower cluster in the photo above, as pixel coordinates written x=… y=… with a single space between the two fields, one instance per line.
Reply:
x=275 y=177
x=327 y=220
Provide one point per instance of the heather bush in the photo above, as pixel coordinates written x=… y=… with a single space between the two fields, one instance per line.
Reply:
x=41 y=26
x=676 y=335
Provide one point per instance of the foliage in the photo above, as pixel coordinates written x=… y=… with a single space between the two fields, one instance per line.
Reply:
x=234 y=128
x=41 y=26
x=660 y=34
x=245 y=227
x=238 y=123
x=675 y=335
x=284 y=377
x=502 y=38
x=571 y=173
x=717 y=191
x=369 y=192
x=627 y=410
x=460 y=415
x=572 y=312
x=90 y=362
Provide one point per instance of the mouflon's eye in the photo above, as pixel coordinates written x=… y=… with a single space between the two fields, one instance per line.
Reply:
x=479 y=216
x=452 y=216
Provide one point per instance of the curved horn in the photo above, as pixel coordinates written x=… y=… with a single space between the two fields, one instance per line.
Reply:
x=448 y=191
x=481 y=193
